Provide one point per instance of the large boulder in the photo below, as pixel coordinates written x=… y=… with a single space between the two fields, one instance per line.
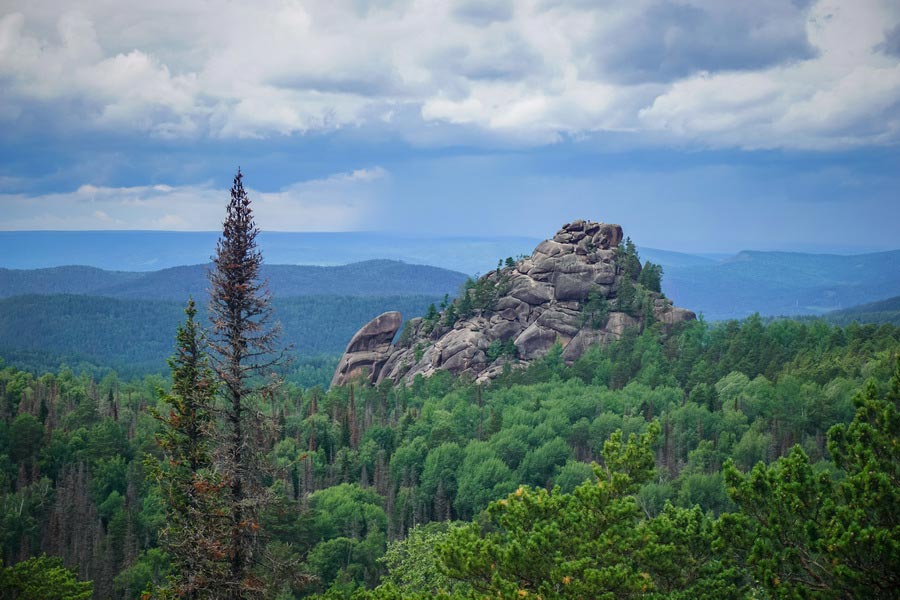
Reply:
x=535 y=341
x=369 y=349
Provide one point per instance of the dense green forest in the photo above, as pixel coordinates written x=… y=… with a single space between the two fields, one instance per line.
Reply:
x=133 y=337
x=883 y=311
x=741 y=459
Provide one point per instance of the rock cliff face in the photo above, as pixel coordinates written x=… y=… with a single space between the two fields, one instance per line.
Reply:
x=579 y=288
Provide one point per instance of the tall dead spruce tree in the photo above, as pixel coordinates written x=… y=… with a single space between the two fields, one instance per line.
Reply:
x=243 y=343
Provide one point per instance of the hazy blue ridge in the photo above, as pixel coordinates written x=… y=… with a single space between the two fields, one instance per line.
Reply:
x=783 y=283
x=883 y=311
x=369 y=278
x=770 y=283
x=668 y=258
x=155 y=250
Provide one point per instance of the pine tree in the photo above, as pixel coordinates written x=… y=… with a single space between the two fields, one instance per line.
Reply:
x=243 y=342
x=629 y=261
x=651 y=277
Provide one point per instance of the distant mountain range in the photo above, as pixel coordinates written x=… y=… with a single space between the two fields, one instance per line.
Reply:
x=883 y=311
x=155 y=250
x=770 y=283
x=369 y=278
x=126 y=318
x=779 y=283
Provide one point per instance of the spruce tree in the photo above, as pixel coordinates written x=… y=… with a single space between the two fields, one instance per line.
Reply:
x=243 y=343
x=194 y=537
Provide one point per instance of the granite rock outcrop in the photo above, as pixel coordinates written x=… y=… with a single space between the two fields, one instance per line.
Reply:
x=576 y=289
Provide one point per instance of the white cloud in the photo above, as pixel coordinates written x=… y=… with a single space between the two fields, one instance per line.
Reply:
x=849 y=95
x=340 y=202
x=719 y=73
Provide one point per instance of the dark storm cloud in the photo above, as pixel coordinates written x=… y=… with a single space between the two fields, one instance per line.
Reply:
x=668 y=41
x=506 y=57
x=373 y=84
x=891 y=43
x=482 y=12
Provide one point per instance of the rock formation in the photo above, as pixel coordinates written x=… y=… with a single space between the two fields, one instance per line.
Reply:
x=577 y=289
x=369 y=348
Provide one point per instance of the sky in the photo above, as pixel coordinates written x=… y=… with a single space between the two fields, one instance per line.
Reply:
x=699 y=125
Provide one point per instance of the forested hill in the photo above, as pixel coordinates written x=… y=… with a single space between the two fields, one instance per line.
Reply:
x=884 y=311
x=780 y=283
x=368 y=278
x=721 y=288
x=742 y=467
x=134 y=337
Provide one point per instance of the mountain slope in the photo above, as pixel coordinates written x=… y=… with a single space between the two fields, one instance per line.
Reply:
x=136 y=336
x=369 y=278
x=884 y=311
x=783 y=283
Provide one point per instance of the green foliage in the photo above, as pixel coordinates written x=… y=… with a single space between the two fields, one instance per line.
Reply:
x=502 y=348
x=651 y=277
x=595 y=310
x=149 y=574
x=350 y=474
x=347 y=562
x=134 y=337
x=195 y=536
x=431 y=313
x=414 y=565
x=481 y=294
x=24 y=438
x=482 y=477
x=42 y=578
x=627 y=297
x=868 y=451
x=634 y=287
x=439 y=483
x=806 y=534
x=450 y=315
x=405 y=334
x=589 y=543
x=628 y=259
x=539 y=465
x=347 y=510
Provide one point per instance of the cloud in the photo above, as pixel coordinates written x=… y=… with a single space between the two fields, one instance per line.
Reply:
x=660 y=41
x=891 y=43
x=848 y=96
x=718 y=73
x=483 y=12
x=340 y=202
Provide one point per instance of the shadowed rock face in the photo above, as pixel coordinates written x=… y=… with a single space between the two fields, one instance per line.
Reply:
x=535 y=304
x=369 y=348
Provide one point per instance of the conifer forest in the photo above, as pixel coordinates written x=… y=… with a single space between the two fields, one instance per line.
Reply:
x=737 y=459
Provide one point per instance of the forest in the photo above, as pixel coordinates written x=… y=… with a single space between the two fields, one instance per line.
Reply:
x=132 y=337
x=744 y=459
